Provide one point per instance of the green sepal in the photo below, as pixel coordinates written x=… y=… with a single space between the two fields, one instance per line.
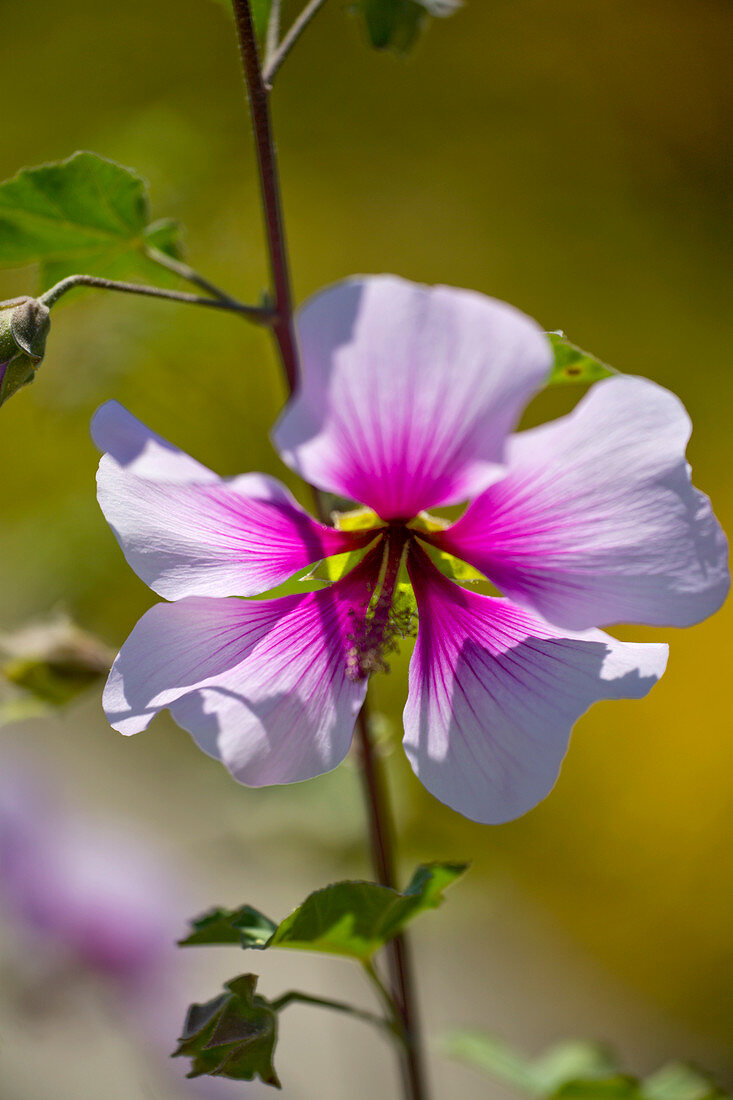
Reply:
x=572 y=365
x=397 y=24
x=454 y=568
x=244 y=926
x=233 y=1035
x=334 y=568
x=83 y=215
x=24 y=327
x=451 y=566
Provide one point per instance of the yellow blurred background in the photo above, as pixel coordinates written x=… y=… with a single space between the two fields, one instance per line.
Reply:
x=571 y=158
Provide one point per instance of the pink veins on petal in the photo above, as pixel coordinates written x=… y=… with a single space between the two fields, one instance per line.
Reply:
x=407 y=400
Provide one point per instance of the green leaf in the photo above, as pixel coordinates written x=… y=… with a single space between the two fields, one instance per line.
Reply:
x=81 y=215
x=233 y=1035
x=245 y=926
x=347 y=918
x=357 y=918
x=397 y=24
x=334 y=568
x=573 y=365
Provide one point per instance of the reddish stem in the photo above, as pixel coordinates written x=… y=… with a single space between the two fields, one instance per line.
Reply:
x=259 y=109
x=379 y=814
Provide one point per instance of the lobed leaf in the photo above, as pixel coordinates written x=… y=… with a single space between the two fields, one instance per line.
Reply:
x=357 y=918
x=84 y=214
x=244 y=926
x=352 y=919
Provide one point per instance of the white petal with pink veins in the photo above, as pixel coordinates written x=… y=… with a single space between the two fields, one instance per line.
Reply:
x=187 y=532
x=407 y=392
x=494 y=693
x=597 y=521
x=261 y=685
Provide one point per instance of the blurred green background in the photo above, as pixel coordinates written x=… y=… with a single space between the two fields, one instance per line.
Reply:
x=572 y=158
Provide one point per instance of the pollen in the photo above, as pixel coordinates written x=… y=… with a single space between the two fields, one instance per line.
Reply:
x=368 y=645
x=385 y=616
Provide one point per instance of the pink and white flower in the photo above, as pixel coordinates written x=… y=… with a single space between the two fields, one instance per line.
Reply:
x=407 y=400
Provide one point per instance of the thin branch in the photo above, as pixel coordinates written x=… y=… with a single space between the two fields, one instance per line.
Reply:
x=385 y=997
x=273 y=31
x=178 y=267
x=294 y=996
x=254 y=313
x=274 y=60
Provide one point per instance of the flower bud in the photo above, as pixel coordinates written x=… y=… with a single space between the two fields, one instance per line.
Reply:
x=24 y=325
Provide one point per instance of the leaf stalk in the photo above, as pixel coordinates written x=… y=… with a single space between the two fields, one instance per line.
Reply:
x=294 y=996
x=257 y=314
x=276 y=54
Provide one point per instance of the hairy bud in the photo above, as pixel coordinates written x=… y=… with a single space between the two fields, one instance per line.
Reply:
x=24 y=325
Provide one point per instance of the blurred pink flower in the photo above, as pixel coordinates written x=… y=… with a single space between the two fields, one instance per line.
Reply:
x=83 y=886
x=92 y=900
x=407 y=399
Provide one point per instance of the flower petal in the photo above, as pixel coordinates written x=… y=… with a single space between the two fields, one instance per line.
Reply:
x=597 y=521
x=187 y=532
x=261 y=685
x=408 y=392
x=494 y=693
x=141 y=452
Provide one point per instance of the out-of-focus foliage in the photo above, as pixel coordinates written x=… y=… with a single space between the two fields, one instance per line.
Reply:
x=397 y=24
x=48 y=663
x=577 y=1070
